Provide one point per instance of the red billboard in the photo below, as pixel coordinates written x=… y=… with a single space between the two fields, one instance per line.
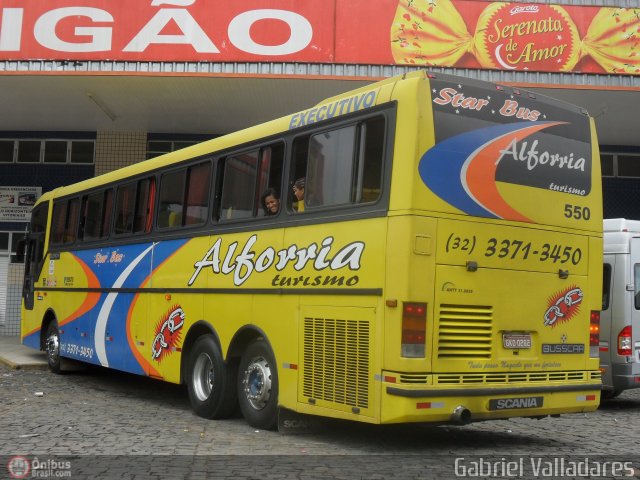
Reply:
x=448 y=33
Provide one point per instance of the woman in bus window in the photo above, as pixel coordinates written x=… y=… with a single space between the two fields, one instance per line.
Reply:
x=298 y=191
x=270 y=202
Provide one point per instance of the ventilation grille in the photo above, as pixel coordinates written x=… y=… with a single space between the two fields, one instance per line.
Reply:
x=505 y=378
x=414 y=378
x=336 y=361
x=465 y=331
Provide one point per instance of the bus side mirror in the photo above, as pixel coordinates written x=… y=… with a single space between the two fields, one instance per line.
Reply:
x=20 y=249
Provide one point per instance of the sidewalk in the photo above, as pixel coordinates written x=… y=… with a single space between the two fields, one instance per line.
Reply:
x=15 y=355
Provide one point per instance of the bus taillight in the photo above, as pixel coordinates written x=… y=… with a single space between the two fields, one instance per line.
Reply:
x=594 y=334
x=414 y=329
x=624 y=341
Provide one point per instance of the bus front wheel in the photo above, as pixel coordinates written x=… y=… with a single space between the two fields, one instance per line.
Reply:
x=258 y=386
x=210 y=381
x=52 y=347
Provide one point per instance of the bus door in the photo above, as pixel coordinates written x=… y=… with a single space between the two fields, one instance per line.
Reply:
x=34 y=258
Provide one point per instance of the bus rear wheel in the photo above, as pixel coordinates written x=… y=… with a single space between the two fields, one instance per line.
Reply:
x=610 y=394
x=210 y=382
x=258 y=386
x=52 y=347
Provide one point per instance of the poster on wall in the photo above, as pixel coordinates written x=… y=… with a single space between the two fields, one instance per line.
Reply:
x=16 y=203
x=441 y=33
x=517 y=36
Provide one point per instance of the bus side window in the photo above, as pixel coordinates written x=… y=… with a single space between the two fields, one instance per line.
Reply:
x=143 y=213
x=171 y=199
x=64 y=225
x=636 y=283
x=198 y=186
x=342 y=166
x=606 y=286
x=367 y=180
x=108 y=214
x=125 y=203
x=58 y=221
x=269 y=173
x=91 y=221
x=73 y=215
x=239 y=186
x=97 y=210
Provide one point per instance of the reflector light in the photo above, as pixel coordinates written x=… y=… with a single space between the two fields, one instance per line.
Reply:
x=586 y=398
x=389 y=379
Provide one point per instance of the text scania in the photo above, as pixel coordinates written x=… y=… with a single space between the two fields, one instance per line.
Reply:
x=247 y=261
x=97 y=35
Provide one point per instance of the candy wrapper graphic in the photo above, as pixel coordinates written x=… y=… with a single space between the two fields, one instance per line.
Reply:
x=515 y=36
x=613 y=40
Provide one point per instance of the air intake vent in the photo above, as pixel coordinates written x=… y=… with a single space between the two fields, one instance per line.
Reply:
x=336 y=361
x=506 y=378
x=465 y=331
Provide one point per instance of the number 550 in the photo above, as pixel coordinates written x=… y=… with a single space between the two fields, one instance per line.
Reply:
x=577 y=212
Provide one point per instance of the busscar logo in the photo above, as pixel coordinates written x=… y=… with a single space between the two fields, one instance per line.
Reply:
x=562 y=348
x=515 y=403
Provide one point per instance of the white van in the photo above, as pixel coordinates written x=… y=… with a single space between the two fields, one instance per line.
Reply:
x=620 y=317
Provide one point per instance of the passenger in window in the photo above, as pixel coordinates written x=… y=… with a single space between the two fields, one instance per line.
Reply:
x=298 y=191
x=270 y=202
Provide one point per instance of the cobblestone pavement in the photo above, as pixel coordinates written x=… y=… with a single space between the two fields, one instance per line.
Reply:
x=113 y=425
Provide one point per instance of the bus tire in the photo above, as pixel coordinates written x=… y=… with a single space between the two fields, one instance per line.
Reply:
x=258 y=386
x=610 y=394
x=210 y=382
x=52 y=347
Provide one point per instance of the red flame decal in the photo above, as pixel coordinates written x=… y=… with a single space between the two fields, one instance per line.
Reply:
x=563 y=306
x=167 y=333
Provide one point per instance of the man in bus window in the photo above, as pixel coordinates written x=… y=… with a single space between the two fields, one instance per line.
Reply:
x=298 y=191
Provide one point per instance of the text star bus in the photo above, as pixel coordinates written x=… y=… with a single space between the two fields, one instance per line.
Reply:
x=443 y=265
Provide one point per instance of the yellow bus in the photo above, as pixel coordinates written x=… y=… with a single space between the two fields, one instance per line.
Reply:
x=424 y=249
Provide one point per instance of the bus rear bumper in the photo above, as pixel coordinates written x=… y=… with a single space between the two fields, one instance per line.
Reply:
x=464 y=405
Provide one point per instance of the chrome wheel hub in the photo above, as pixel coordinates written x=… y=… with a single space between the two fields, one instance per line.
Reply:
x=203 y=377
x=53 y=348
x=257 y=383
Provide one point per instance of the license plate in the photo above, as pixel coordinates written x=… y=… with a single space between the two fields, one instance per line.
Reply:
x=516 y=340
